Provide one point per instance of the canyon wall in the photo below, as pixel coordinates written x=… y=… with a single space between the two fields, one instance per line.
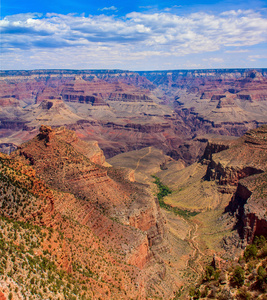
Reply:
x=242 y=168
x=124 y=110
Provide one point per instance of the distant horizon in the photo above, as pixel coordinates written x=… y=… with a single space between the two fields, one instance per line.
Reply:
x=141 y=35
x=134 y=71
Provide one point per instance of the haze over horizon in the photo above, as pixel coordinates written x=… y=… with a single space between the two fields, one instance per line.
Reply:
x=143 y=35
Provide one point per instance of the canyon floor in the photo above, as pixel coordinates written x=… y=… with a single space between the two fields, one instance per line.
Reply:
x=204 y=210
x=197 y=228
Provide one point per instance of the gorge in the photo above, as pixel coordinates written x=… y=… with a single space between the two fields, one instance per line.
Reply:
x=81 y=215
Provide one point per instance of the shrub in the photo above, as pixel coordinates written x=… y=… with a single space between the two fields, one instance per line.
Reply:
x=250 y=252
x=244 y=294
x=262 y=275
x=209 y=273
x=217 y=275
x=225 y=294
x=238 y=277
x=260 y=241
x=264 y=251
x=194 y=293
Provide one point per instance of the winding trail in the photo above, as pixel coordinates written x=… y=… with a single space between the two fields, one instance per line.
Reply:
x=193 y=262
x=138 y=163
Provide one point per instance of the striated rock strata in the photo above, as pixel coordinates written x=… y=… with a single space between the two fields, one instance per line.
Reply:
x=126 y=110
x=243 y=166
x=122 y=214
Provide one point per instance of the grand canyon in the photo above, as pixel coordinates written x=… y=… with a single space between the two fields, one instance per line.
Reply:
x=133 y=185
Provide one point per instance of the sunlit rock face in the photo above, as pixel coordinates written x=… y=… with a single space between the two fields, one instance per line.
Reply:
x=124 y=111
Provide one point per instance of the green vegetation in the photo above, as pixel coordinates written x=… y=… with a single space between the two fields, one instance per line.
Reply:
x=262 y=275
x=238 y=277
x=56 y=262
x=250 y=252
x=33 y=274
x=164 y=191
x=211 y=273
x=246 y=279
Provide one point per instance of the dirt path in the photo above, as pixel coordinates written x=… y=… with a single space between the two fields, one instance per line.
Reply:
x=193 y=261
x=138 y=163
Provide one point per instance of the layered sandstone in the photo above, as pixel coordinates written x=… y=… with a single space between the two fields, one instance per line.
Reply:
x=226 y=102
x=92 y=206
x=249 y=202
x=245 y=157
x=97 y=92
x=75 y=234
x=125 y=111
x=71 y=170
x=243 y=165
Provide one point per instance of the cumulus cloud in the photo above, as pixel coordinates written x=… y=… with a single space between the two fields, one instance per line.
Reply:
x=109 y=8
x=196 y=32
x=136 y=34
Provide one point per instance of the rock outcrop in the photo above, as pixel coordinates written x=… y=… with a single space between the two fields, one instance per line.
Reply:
x=93 y=207
x=65 y=163
x=250 y=203
x=97 y=92
x=244 y=165
x=245 y=157
x=7 y=148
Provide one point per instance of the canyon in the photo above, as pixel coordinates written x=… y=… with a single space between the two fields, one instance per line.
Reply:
x=221 y=197
x=78 y=151
x=126 y=111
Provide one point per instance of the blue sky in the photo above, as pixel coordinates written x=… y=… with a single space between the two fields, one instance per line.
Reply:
x=139 y=35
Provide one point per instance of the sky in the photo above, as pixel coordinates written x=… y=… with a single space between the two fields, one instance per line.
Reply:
x=133 y=35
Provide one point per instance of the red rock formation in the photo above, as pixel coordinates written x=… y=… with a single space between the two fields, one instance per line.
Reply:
x=72 y=171
x=244 y=158
x=243 y=165
x=232 y=102
x=96 y=92
x=97 y=213
x=215 y=147
x=9 y=101
x=249 y=201
x=2 y=296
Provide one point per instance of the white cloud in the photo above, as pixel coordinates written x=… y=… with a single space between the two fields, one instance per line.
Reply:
x=257 y=57
x=135 y=36
x=173 y=7
x=109 y=8
x=214 y=59
x=237 y=51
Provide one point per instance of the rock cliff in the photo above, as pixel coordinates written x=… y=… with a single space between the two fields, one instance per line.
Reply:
x=52 y=181
x=245 y=157
x=243 y=165
x=164 y=109
x=122 y=214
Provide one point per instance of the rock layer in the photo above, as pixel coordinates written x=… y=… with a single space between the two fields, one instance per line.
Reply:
x=92 y=206
x=65 y=163
x=125 y=111
x=243 y=165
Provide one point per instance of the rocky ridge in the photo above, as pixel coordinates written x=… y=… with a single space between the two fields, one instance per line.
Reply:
x=242 y=169
x=123 y=216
